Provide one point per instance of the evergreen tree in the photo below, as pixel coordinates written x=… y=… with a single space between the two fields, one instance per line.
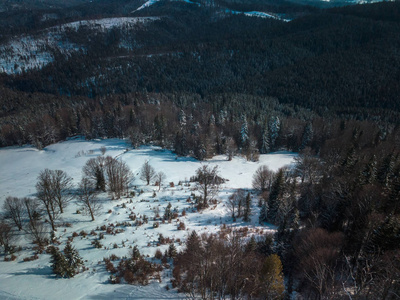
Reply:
x=274 y=128
x=369 y=173
x=172 y=252
x=135 y=253
x=307 y=136
x=264 y=142
x=386 y=170
x=251 y=246
x=277 y=190
x=247 y=209
x=168 y=213
x=193 y=242
x=263 y=213
x=58 y=262
x=73 y=261
x=100 y=180
x=244 y=134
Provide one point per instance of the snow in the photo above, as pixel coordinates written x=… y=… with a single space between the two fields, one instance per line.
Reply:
x=25 y=52
x=259 y=14
x=20 y=167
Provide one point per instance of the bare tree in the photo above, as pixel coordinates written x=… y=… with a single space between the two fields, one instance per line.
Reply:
x=308 y=166
x=147 y=172
x=62 y=186
x=103 y=150
x=262 y=178
x=236 y=203
x=45 y=194
x=7 y=237
x=14 y=210
x=208 y=183
x=94 y=170
x=160 y=178
x=39 y=231
x=118 y=176
x=87 y=196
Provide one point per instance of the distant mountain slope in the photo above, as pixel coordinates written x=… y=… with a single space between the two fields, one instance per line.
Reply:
x=342 y=58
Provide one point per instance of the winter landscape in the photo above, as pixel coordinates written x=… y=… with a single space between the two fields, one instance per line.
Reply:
x=200 y=149
x=35 y=279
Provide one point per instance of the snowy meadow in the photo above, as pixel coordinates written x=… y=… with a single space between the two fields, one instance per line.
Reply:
x=20 y=167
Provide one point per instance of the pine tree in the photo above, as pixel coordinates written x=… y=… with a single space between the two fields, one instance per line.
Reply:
x=73 y=261
x=251 y=246
x=385 y=172
x=263 y=213
x=58 y=262
x=135 y=253
x=264 y=142
x=307 y=136
x=172 y=252
x=369 y=173
x=277 y=190
x=244 y=133
x=168 y=212
x=274 y=128
x=247 y=209
x=193 y=242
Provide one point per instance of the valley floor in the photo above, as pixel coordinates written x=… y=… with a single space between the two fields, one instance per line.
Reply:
x=20 y=167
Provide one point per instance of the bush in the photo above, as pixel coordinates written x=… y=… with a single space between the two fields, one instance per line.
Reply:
x=181 y=226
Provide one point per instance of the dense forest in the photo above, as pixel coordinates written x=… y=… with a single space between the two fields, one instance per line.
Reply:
x=201 y=81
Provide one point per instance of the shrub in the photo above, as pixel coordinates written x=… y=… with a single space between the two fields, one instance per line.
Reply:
x=181 y=226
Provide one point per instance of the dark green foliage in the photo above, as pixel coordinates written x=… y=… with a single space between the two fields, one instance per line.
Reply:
x=277 y=190
x=172 y=252
x=168 y=214
x=66 y=265
x=247 y=209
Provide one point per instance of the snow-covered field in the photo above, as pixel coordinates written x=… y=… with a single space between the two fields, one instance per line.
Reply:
x=34 y=279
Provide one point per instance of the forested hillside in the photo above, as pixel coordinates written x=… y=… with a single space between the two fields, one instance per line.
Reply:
x=206 y=78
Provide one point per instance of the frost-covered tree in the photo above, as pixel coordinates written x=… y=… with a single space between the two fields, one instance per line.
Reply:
x=274 y=128
x=244 y=133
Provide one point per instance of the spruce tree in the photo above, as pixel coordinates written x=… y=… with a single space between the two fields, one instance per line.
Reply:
x=247 y=209
x=73 y=260
x=58 y=262
x=264 y=142
x=277 y=190
x=263 y=213
x=172 y=252
x=168 y=212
